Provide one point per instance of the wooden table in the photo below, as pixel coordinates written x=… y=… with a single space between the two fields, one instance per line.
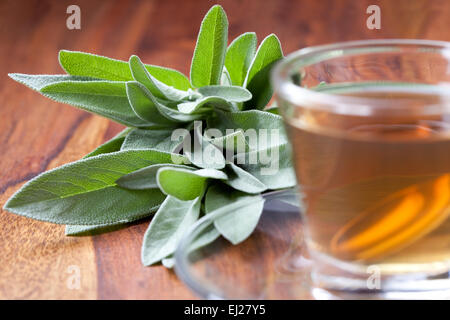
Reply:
x=37 y=134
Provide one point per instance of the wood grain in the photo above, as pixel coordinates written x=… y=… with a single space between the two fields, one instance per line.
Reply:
x=37 y=134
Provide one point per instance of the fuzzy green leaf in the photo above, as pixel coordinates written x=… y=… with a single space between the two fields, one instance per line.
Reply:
x=232 y=142
x=169 y=224
x=238 y=223
x=158 y=139
x=79 y=231
x=144 y=106
x=91 y=65
x=105 y=98
x=108 y=99
x=209 y=54
x=251 y=122
x=145 y=178
x=85 y=192
x=186 y=184
x=239 y=56
x=38 y=81
x=169 y=77
x=177 y=116
x=205 y=104
x=112 y=145
x=241 y=180
x=168 y=262
x=144 y=102
x=203 y=153
x=257 y=80
x=156 y=87
x=229 y=93
x=225 y=79
x=272 y=166
x=205 y=237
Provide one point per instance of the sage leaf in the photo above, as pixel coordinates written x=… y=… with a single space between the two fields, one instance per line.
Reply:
x=238 y=222
x=148 y=101
x=170 y=222
x=145 y=107
x=91 y=65
x=207 y=103
x=156 y=87
x=185 y=184
x=168 y=262
x=261 y=129
x=225 y=79
x=241 y=180
x=272 y=166
x=145 y=178
x=106 y=98
x=205 y=237
x=112 y=145
x=232 y=142
x=229 y=93
x=79 y=231
x=169 y=77
x=85 y=193
x=209 y=53
x=38 y=81
x=239 y=56
x=159 y=139
x=176 y=115
x=95 y=66
x=257 y=80
x=205 y=234
x=204 y=154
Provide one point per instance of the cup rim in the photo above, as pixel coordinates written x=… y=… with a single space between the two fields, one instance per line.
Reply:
x=297 y=95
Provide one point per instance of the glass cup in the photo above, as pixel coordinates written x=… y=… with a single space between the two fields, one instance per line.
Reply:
x=369 y=124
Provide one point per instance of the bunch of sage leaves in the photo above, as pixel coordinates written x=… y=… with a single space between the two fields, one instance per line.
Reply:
x=142 y=170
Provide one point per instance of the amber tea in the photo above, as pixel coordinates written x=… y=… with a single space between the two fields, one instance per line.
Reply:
x=369 y=125
x=377 y=189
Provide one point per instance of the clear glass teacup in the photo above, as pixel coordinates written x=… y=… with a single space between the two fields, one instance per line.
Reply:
x=369 y=124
